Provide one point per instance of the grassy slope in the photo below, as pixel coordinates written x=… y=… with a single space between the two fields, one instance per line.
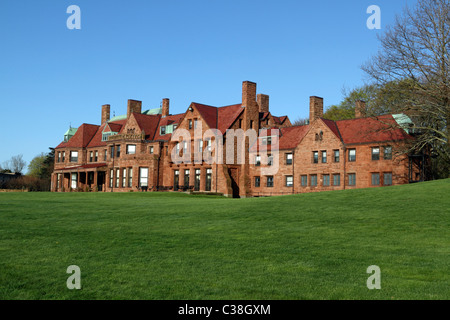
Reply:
x=174 y=246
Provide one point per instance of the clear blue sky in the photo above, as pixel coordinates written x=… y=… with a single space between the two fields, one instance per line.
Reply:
x=185 y=50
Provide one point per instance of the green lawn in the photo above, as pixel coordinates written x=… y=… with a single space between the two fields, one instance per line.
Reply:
x=177 y=246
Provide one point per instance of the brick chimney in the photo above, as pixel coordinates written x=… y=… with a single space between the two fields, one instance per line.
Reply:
x=360 y=109
x=165 y=107
x=106 y=111
x=263 y=102
x=315 y=108
x=251 y=118
x=133 y=106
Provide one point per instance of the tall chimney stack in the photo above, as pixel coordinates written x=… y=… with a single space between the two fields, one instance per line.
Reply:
x=106 y=111
x=360 y=109
x=133 y=106
x=315 y=108
x=263 y=102
x=165 y=107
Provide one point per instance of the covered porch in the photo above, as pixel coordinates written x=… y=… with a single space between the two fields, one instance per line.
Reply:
x=90 y=177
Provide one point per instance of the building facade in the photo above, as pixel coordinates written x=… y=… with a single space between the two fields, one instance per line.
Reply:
x=240 y=150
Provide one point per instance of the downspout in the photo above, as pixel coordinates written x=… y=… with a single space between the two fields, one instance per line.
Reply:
x=293 y=172
x=345 y=162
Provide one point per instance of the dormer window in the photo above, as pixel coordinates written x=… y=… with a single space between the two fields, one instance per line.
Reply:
x=162 y=130
x=106 y=135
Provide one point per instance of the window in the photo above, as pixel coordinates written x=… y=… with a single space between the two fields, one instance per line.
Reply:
x=106 y=135
x=269 y=159
x=177 y=148
x=304 y=181
x=289 y=181
x=270 y=181
x=117 y=177
x=315 y=157
x=288 y=158
x=240 y=123
x=112 y=152
x=200 y=146
x=131 y=149
x=376 y=153
x=258 y=161
x=257 y=182
x=351 y=155
x=375 y=179
x=73 y=156
x=176 y=179
x=105 y=154
x=151 y=149
x=111 y=178
x=251 y=124
x=190 y=124
x=74 y=179
x=143 y=177
x=63 y=156
x=352 y=179
x=208 y=179
x=195 y=123
x=313 y=180
x=336 y=156
x=59 y=156
x=326 y=180
x=91 y=156
x=118 y=151
x=388 y=153
x=96 y=156
x=324 y=157
x=124 y=177
x=130 y=177
x=197 y=180
x=336 y=180
x=162 y=130
x=186 y=178
x=387 y=179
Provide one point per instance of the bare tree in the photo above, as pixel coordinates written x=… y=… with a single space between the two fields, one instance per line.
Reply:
x=415 y=53
x=17 y=164
x=300 y=121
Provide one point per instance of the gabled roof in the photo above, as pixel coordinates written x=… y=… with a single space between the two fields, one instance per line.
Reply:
x=168 y=120
x=227 y=116
x=279 y=120
x=289 y=137
x=147 y=123
x=208 y=113
x=81 y=138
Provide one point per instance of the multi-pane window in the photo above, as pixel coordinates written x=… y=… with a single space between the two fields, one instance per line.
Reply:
x=351 y=155
x=315 y=156
x=313 y=180
x=388 y=153
x=105 y=154
x=91 y=156
x=375 y=179
x=200 y=146
x=304 y=180
x=289 y=181
x=186 y=178
x=63 y=156
x=258 y=161
x=288 y=158
x=269 y=181
x=267 y=141
x=130 y=177
x=176 y=179
x=269 y=159
x=118 y=151
x=324 y=157
x=387 y=179
x=162 y=130
x=195 y=123
x=326 y=180
x=73 y=156
x=208 y=179
x=143 y=177
x=190 y=124
x=208 y=144
x=59 y=156
x=336 y=179
x=112 y=152
x=197 y=180
x=336 y=156
x=74 y=179
x=151 y=149
x=111 y=178
x=124 y=177
x=352 y=179
x=376 y=153
x=131 y=149
x=117 y=177
x=257 y=182
x=96 y=156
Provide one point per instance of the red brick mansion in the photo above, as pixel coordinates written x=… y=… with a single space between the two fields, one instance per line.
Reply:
x=135 y=152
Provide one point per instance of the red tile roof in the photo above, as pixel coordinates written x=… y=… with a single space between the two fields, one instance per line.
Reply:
x=208 y=113
x=228 y=115
x=365 y=130
x=81 y=138
x=172 y=119
x=148 y=124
